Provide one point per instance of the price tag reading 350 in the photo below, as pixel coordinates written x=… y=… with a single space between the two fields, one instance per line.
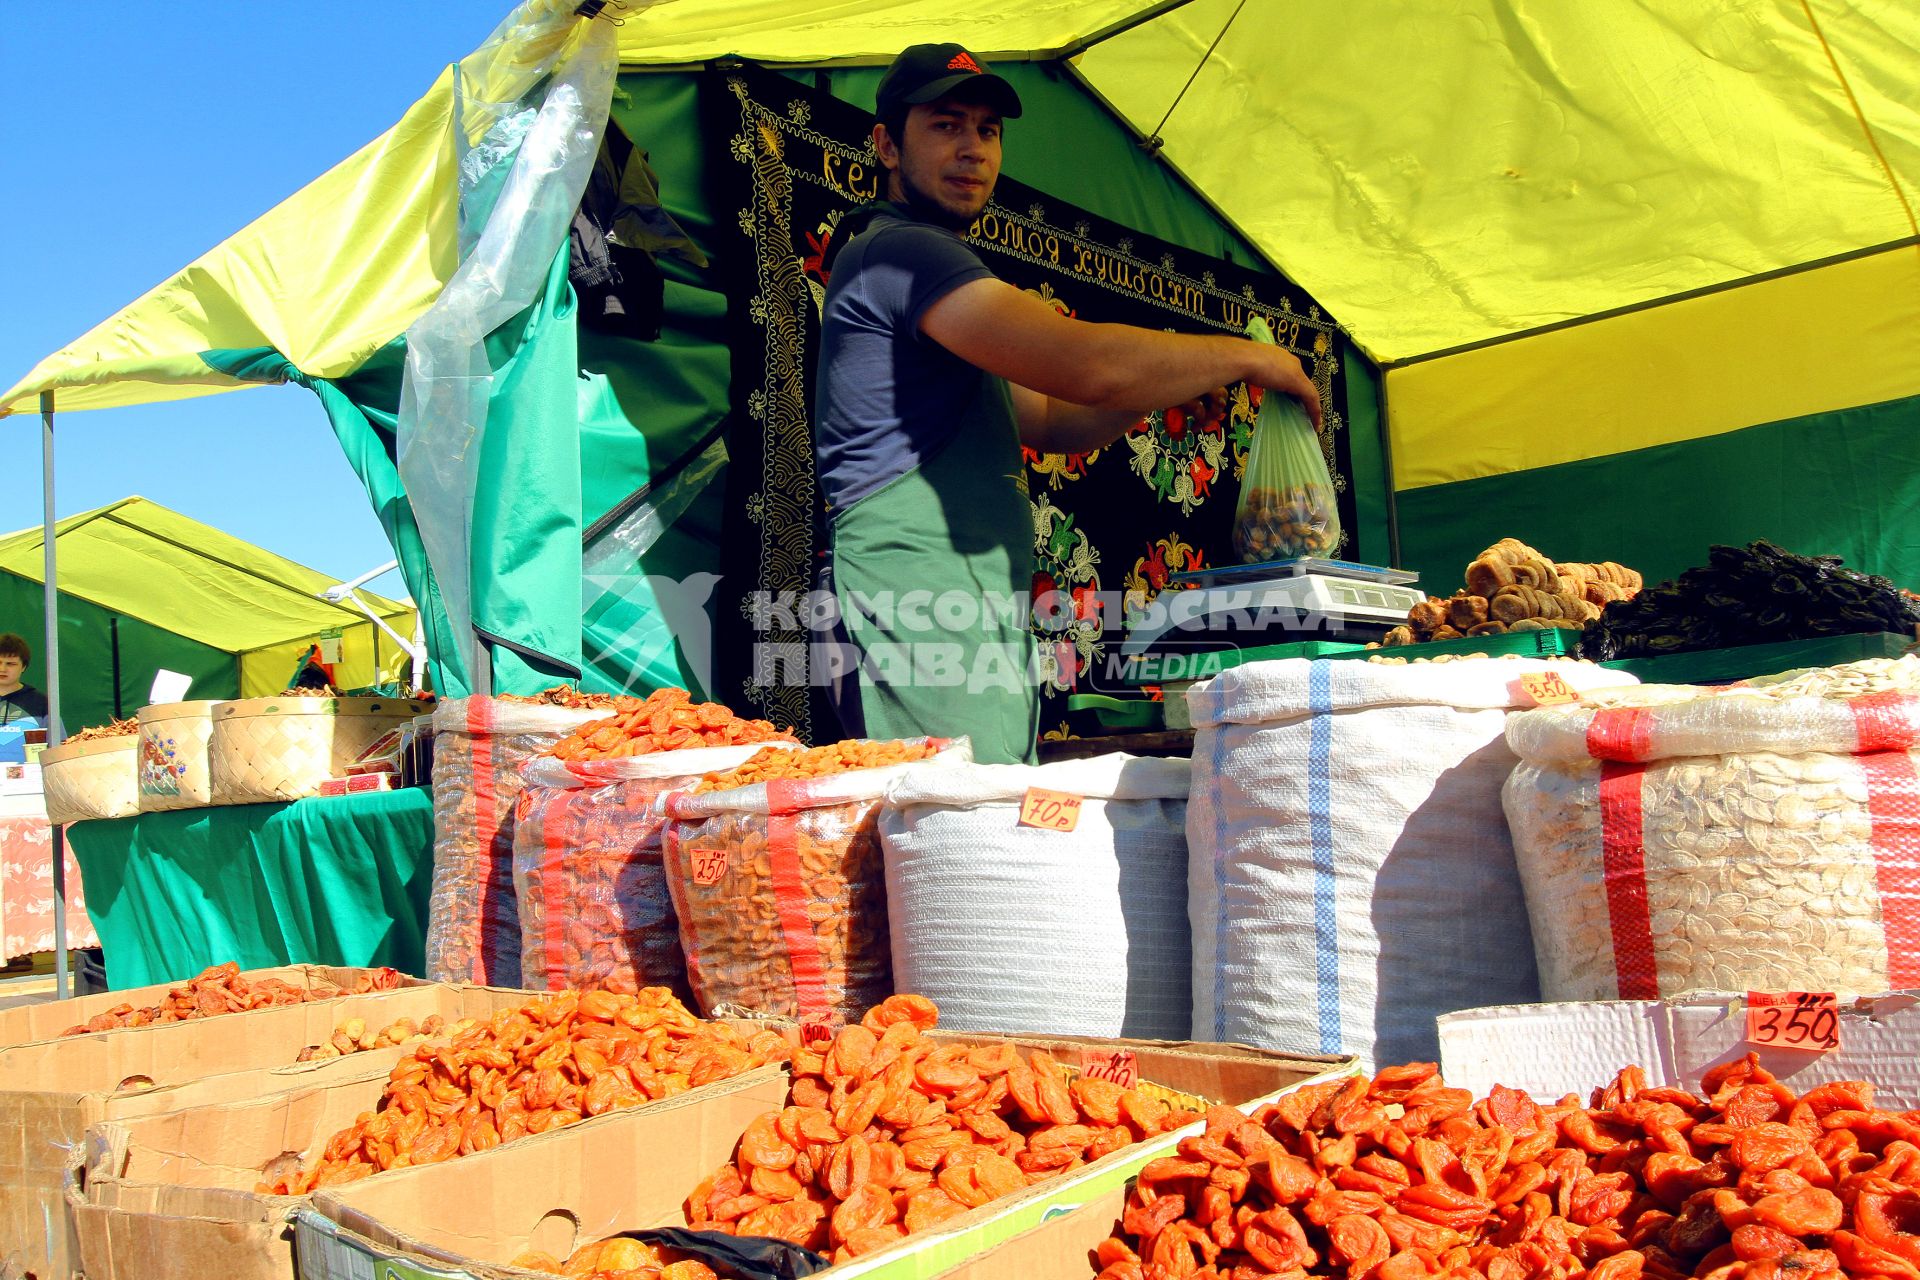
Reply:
x=1050 y=810
x=1547 y=689
x=1808 y=1020
x=709 y=865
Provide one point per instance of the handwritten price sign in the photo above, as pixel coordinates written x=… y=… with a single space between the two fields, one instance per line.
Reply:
x=1547 y=689
x=815 y=1035
x=1050 y=810
x=1116 y=1066
x=1808 y=1020
x=709 y=865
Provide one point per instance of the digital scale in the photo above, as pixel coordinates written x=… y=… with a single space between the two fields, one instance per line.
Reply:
x=1274 y=602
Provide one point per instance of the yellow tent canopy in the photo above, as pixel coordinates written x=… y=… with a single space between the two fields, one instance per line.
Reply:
x=141 y=560
x=1438 y=174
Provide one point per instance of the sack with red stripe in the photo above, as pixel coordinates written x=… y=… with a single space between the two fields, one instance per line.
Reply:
x=592 y=894
x=780 y=890
x=480 y=744
x=1676 y=838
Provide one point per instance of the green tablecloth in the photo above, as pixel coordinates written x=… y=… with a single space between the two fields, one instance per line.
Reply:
x=342 y=880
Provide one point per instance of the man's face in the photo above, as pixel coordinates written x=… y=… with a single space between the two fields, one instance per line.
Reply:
x=946 y=165
x=11 y=668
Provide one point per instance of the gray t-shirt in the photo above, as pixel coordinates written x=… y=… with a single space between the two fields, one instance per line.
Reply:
x=887 y=397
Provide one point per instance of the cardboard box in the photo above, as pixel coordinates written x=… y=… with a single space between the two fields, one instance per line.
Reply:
x=171 y=1196
x=1555 y=1049
x=52 y=1089
x=47 y=1021
x=1060 y=1248
x=634 y=1170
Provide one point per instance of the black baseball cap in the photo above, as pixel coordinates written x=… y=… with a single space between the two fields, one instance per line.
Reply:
x=924 y=73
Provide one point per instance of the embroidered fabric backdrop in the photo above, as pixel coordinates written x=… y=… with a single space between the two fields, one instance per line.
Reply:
x=1119 y=520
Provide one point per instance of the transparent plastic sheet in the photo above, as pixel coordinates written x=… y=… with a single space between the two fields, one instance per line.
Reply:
x=1288 y=507
x=780 y=890
x=480 y=748
x=530 y=107
x=1858 y=706
x=587 y=872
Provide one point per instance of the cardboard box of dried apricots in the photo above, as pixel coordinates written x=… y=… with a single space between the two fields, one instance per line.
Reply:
x=471 y=1219
x=52 y=1089
x=176 y=1195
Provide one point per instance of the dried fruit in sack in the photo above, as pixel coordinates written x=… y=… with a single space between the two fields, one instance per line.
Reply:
x=821 y=762
x=535 y=1067
x=888 y=1133
x=595 y=913
x=784 y=914
x=668 y=720
x=481 y=746
x=620 y=1258
x=222 y=989
x=354 y=1036
x=1402 y=1178
x=112 y=729
x=565 y=695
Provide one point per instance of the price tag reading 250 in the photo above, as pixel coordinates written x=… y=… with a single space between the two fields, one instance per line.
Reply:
x=1050 y=810
x=709 y=865
x=1808 y=1020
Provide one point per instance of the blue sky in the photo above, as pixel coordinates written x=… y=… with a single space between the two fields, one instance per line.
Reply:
x=138 y=136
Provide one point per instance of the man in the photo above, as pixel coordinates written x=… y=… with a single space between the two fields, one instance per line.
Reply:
x=18 y=700
x=932 y=375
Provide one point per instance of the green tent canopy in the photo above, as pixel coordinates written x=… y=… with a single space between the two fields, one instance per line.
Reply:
x=144 y=588
x=1629 y=279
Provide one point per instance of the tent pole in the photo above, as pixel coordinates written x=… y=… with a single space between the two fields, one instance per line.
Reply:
x=58 y=845
x=1386 y=472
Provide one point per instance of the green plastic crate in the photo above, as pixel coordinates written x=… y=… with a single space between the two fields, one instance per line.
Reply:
x=1191 y=668
x=1723 y=666
x=1549 y=642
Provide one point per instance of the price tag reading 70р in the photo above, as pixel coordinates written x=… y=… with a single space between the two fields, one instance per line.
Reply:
x=1808 y=1020
x=709 y=865
x=1050 y=810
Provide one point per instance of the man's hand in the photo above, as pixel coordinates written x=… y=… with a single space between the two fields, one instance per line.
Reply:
x=1280 y=371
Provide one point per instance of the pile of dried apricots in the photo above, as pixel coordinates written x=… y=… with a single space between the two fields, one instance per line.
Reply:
x=666 y=720
x=1402 y=1178
x=887 y=1133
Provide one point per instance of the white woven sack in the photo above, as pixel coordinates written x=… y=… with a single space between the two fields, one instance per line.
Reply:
x=1019 y=928
x=1350 y=872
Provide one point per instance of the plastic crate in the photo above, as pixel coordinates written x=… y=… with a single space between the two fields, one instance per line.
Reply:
x=1724 y=666
x=1549 y=642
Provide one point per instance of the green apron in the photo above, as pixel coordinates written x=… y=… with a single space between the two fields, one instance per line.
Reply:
x=950 y=545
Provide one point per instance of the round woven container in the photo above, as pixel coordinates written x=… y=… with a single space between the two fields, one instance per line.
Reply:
x=269 y=749
x=172 y=759
x=98 y=778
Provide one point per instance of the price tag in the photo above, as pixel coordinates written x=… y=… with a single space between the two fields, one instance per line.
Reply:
x=709 y=865
x=1116 y=1066
x=1050 y=810
x=1547 y=689
x=1808 y=1020
x=815 y=1035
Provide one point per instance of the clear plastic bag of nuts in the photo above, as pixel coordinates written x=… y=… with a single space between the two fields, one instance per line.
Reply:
x=1287 y=506
x=780 y=892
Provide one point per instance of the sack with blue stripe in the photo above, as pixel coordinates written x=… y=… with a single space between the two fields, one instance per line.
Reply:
x=1350 y=872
